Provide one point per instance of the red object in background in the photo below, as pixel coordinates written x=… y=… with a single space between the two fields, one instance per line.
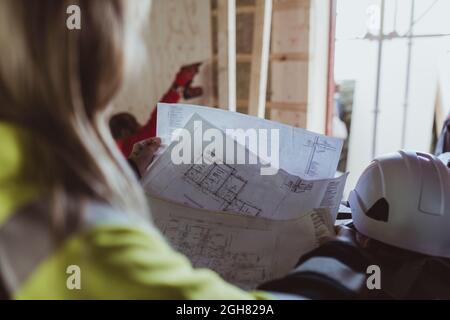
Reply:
x=183 y=80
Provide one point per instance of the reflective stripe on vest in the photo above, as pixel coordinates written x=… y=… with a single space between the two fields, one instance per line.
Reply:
x=28 y=237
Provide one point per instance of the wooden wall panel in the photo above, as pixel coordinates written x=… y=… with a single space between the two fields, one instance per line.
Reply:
x=290 y=31
x=289 y=70
x=289 y=77
x=179 y=34
x=289 y=81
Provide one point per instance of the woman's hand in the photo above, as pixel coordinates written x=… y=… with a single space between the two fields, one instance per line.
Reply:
x=143 y=154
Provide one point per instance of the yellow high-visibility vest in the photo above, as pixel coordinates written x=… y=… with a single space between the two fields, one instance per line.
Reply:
x=107 y=256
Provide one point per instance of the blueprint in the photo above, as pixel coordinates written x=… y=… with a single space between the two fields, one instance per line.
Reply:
x=208 y=183
x=302 y=153
x=246 y=251
x=228 y=216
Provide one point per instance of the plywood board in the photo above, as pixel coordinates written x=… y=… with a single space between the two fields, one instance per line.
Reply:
x=179 y=33
x=292 y=118
x=289 y=63
x=291 y=31
x=289 y=81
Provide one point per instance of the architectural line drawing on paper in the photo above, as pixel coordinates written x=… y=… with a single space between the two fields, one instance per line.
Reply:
x=299 y=185
x=222 y=182
x=317 y=146
x=209 y=246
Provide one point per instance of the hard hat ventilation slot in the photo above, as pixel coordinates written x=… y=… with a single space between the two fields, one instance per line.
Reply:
x=379 y=211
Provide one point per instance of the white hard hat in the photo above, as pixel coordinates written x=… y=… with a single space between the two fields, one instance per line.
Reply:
x=403 y=199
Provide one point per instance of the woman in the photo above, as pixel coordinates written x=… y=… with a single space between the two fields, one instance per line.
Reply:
x=67 y=196
x=73 y=219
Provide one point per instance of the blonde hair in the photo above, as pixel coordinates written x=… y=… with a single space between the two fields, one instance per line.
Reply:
x=57 y=83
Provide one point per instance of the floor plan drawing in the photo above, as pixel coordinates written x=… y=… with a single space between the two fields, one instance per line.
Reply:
x=246 y=251
x=298 y=185
x=216 y=249
x=242 y=207
x=207 y=182
x=228 y=216
x=320 y=149
x=301 y=151
x=223 y=182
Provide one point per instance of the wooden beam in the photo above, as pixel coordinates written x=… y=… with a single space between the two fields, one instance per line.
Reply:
x=273 y=105
x=239 y=10
x=292 y=56
x=290 y=5
x=287 y=106
x=277 y=6
x=227 y=54
x=260 y=58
